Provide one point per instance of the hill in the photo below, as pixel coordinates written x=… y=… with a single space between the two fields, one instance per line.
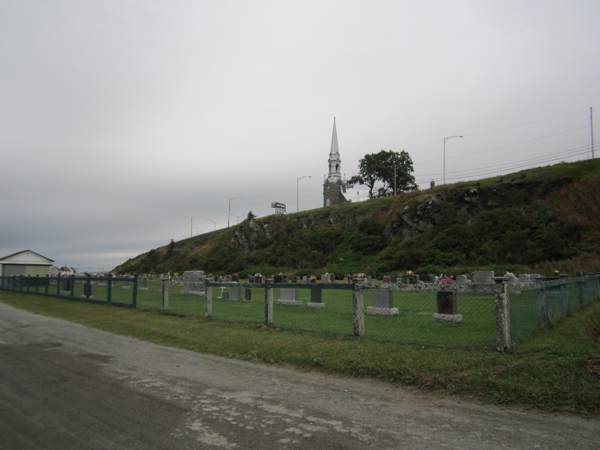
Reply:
x=538 y=220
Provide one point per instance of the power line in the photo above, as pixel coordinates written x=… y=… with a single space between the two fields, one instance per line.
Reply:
x=528 y=123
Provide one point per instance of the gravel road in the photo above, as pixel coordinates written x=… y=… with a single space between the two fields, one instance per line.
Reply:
x=65 y=386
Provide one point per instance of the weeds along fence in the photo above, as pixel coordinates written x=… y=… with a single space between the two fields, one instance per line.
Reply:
x=495 y=316
x=478 y=316
x=109 y=290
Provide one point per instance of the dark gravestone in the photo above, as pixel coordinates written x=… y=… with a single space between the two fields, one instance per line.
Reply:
x=248 y=295
x=447 y=302
x=284 y=278
x=278 y=278
x=235 y=278
x=87 y=290
x=332 y=278
x=430 y=278
x=66 y=286
x=250 y=279
x=315 y=296
x=387 y=279
x=313 y=280
x=394 y=278
x=258 y=279
x=294 y=279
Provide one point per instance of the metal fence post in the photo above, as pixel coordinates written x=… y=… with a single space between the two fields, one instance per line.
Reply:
x=109 y=288
x=166 y=294
x=47 y=284
x=564 y=298
x=580 y=295
x=58 y=280
x=208 y=301
x=134 y=293
x=503 y=341
x=358 y=312
x=73 y=286
x=268 y=304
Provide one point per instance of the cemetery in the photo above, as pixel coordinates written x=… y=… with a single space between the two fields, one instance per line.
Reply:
x=478 y=310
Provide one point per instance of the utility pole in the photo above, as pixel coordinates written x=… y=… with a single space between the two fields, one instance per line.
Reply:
x=592 y=129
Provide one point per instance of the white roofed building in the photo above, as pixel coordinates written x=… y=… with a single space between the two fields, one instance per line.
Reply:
x=26 y=263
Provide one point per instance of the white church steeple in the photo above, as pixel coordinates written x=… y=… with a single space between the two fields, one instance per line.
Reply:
x=335 y=163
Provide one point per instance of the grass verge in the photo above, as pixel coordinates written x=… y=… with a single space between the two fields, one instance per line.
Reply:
x=556 y=369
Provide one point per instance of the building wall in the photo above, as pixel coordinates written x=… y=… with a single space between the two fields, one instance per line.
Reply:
x=8 y=270
x=332 y=193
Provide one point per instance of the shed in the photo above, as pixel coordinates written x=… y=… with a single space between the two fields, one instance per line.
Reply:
x=25 y=263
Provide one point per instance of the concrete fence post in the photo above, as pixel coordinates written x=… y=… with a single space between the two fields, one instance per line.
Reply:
x=165 y=295
x=358 y=312
x=503 y=340
x=542 y=306
x=268 y=305
x=208 y=301
x=134 y=293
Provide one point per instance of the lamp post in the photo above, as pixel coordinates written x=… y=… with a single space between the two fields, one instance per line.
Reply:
x=446 y=139
x=213 y=222
x=297 y=181
x=229 y=212
x=237 y=218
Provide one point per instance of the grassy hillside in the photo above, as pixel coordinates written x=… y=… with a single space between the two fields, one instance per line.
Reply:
x=539 y=220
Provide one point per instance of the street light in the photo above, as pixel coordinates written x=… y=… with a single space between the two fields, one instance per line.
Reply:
x=236 y=217
x=446 y=139
x=213 y=222
x=297 y=180
x=229 y=212
x=196 y=228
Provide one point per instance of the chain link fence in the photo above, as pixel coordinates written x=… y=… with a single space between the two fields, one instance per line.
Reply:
x=478 y=316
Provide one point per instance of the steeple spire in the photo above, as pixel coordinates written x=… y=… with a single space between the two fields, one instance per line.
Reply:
x=335 y=163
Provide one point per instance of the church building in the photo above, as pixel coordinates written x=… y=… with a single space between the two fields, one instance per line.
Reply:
x=334 y=187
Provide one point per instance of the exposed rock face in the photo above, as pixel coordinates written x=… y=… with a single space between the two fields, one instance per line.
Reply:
x=247 y=236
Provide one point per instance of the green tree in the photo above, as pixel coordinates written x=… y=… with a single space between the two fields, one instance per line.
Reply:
x=389 y=167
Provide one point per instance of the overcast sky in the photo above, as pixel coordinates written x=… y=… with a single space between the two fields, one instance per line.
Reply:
x=120 y=121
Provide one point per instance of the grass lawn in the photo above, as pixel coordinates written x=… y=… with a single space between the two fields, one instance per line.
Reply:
x=554 y=369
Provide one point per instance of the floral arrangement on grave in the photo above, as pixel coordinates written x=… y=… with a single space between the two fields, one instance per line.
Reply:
x=410 y=272
x=446 y=280
x=509 y=274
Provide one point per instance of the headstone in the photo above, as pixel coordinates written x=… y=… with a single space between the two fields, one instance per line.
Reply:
x=250 y=278
x=461 y=279
x=289 y=296
x=410 y=279
x=258 y=278
x=430 y=278
x=483 y=277
x=369 y=279
x=304 y=278
x=248 y=294
x=447 y=308
x=382 y=303
x=316 y=300
x=524 y=278
x=228 y=278
x=284 y=278
x=387 y=279
x=332 y=278
x=235 y=292
x=324 y=278
x=278 y=278
x=126 y=284
x=235 y=278
x=143 y=284
x=193 y=282
x=294 y=279
x=394 y=279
